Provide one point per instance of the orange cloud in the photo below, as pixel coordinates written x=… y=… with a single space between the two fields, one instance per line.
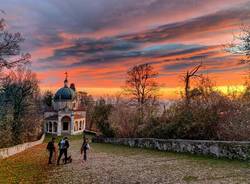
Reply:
x=97 y=44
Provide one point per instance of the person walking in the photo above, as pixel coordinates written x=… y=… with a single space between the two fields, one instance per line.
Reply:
x=63 y=150
x=85 y=147
x=51 y=148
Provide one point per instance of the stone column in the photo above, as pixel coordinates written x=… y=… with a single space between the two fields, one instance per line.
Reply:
x=84 y=123
x=59 y=125
x=52 y=127
x=72 y=123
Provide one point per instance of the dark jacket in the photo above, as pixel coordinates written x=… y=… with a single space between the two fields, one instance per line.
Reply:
x=65 y=146
x=50 y=146
x=85 y=147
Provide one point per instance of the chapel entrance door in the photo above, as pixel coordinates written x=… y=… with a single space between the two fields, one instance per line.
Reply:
x=66 y=125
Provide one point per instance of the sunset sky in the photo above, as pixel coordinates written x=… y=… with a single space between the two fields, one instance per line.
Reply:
x=96 y=41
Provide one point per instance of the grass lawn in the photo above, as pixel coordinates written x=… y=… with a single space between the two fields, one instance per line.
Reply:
x=26 y=167
x=29 y=166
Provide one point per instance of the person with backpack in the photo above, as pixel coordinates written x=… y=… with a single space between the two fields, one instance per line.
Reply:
x=84 y=148
x=63 y=150
x=51 y=148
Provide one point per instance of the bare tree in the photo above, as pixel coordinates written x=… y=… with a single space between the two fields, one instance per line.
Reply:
x=142 y=87
x=10 y=52
x=141 y=83
x=187 y=78
x=241 y=44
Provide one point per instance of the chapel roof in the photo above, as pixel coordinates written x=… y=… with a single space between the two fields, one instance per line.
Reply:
x=65 y=93
x=53 y=117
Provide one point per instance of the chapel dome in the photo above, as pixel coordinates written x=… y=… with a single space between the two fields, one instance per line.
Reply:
x=65 y=93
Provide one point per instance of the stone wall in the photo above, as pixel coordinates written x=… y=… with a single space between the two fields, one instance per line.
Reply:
x=220 y=149
x=7 y=152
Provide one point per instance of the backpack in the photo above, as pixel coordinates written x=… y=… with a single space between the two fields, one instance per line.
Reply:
x=86 y=146
x=62 y=144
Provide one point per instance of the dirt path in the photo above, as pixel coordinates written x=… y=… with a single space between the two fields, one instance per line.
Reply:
x=117 y=164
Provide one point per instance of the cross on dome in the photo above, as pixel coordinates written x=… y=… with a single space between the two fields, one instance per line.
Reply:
x=66 y=75
x=66 y=79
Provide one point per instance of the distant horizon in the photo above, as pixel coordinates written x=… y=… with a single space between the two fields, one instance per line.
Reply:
x=165 y=93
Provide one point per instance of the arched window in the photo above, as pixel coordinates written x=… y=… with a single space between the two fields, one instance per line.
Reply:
x=80 y=127
x=76 y=126
x=66 y=123
x=50 y=126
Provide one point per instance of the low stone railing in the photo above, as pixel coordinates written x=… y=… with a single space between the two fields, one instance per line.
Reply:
x=7 y=152
x=220 y=149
